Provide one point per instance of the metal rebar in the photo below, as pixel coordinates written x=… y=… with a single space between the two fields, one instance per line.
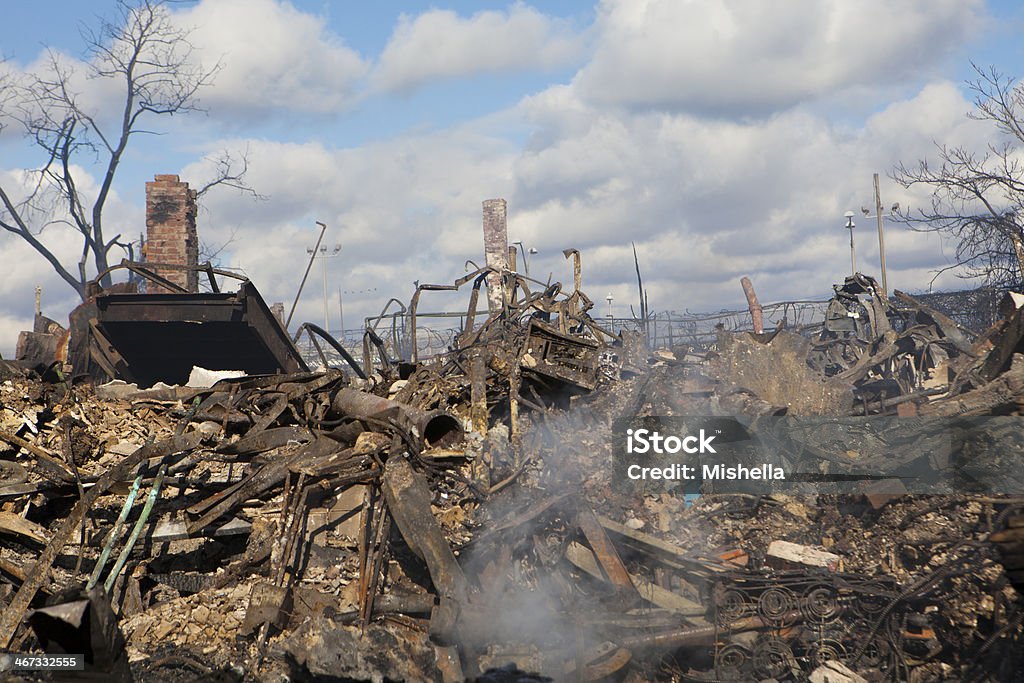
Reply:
x=115 y=534
x=143 y=518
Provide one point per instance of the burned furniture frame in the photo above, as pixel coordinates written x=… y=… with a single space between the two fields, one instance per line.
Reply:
x=519 y=301
x=149 y=338
x=563 y=357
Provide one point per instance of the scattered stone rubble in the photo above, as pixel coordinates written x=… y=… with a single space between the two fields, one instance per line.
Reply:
x=459 y=518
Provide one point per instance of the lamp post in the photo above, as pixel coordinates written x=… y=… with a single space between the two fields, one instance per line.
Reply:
x=853 y=256
x=523 y=250
x=609 y=299
x=325 y=254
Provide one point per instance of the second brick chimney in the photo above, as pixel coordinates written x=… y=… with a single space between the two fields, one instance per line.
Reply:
x=495 y=249
x=171 y=230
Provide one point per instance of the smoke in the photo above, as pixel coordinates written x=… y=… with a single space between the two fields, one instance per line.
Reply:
x=547 y=614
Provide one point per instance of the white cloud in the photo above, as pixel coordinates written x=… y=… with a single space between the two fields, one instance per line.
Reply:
x=705 y=201
x=624 y=153
x=274 y=57
x=440 y=44
x=402 y=210
x=938 y=114
x=709 y=200
x=24 y=86
x=745 y=57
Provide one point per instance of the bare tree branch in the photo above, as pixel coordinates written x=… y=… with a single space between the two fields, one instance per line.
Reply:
x=211 y=253
x=230 y=172
x=153 y=65
x=977 y=198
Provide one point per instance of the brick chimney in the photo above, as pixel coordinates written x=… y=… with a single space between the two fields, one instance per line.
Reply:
x=171 y=231
x=495 y=249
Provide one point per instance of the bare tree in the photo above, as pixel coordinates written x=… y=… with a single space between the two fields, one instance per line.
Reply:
x=143 y=57
x=977 y=198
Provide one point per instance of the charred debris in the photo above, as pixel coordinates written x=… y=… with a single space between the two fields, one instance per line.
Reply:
x=457 y=517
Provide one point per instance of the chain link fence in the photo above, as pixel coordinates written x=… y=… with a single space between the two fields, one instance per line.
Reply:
x=974 y=309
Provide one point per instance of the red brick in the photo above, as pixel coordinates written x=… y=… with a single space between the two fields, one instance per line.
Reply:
x=171 y=230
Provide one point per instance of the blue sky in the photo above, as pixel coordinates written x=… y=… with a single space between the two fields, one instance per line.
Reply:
x=723 y=138
x=365 y=27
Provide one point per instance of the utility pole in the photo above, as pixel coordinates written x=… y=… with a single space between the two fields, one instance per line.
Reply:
x=881 y=237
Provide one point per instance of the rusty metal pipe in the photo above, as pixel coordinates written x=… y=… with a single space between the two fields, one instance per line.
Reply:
x=436 y=427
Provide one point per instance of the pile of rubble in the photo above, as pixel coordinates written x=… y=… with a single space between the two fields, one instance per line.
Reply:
x=462 y=518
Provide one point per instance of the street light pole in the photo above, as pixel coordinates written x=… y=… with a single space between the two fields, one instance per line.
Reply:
x=323 y=263
x=853 y=255
x=523 y=250
x=323 y=256
x=323 y=229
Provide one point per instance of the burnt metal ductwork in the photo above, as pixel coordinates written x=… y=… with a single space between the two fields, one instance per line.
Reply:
x=436 y=427
x=150 y=338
